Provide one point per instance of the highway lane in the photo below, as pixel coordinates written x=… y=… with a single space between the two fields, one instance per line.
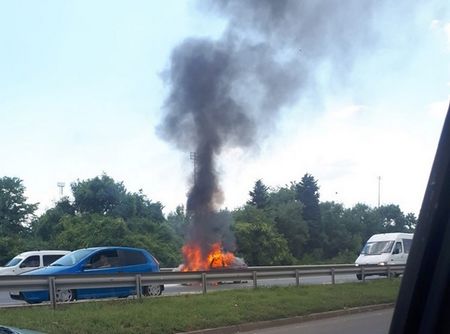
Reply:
x=178 y=289
x=376 y=322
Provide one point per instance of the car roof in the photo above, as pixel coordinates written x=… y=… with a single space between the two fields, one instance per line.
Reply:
x=113 y=247
x=43 y=252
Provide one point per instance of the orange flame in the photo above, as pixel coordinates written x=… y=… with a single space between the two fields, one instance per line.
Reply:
x=216 y=258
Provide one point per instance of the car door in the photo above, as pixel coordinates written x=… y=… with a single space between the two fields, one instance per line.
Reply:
x=132 y=261
x=103 y=262
x=30 y=263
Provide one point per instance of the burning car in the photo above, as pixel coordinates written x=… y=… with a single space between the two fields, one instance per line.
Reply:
x=216 y=259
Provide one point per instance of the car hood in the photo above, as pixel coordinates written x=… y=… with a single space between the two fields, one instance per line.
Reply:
x=7 y=271
x=50 y=270
x=372 y=259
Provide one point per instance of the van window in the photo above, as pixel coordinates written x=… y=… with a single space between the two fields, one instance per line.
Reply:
x=30 y=262
x=48 y=259
x=129 y=258
x=377 y=248
x=398 y=248
x=13 y=262
x=407 y=245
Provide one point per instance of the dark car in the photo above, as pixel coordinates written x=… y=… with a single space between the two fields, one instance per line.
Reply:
x=95 y=261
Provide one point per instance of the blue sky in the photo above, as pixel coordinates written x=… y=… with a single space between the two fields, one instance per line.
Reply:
x=82 y=91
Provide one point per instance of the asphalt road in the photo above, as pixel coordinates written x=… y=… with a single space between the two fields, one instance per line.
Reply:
x=177 y=289
x=376 y=322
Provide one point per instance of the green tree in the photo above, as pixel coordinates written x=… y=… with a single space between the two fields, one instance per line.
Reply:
x=289 y=222
x=410 y=222
x=259 y=196
x=138 y=205
x=98 y=195
x=307 y=192
x=15 y=212
x=47 y=226
x=281 y=196
x=261 y=244
x=392 y=218
x=179 y=221
x=10 y=246
x=341 y=236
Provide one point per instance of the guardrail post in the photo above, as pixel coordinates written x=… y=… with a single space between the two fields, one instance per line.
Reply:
x=333 y=278
x=255 y=282
x=389 y=275
x=52 y=291
x=139 y=286
x=204 y=282
x=363 y=274
x=297 y=278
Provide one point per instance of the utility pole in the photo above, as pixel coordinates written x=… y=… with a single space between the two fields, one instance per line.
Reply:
x=193 y=157
x=379 y=190
x=61 y=188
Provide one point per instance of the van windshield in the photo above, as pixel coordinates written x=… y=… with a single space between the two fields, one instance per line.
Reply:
x=72 y=258
x=377 y=248
x=13 y=262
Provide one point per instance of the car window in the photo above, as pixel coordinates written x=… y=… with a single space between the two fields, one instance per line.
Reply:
x=30 y=262
x=72 y=258
x=407 y=245
x=104 y=259
x=48 y=259
x=129 y=258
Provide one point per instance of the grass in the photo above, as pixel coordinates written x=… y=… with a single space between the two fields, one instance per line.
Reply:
x=190 y=312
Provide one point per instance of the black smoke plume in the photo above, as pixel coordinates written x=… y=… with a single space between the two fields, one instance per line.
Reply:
x=225 y=92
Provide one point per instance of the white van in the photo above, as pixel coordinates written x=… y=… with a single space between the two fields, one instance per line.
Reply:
x=384 y=249
x=28 y=261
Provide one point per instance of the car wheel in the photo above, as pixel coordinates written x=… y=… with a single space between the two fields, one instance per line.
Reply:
x=152 y=290
x=65 y=295
x=359 y=277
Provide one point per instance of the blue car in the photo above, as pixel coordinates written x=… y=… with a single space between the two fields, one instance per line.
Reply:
x=94 y=261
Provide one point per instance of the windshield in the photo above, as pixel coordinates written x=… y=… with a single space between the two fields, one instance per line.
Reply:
x=13 y=262
x=377 y=248
x=72 y=258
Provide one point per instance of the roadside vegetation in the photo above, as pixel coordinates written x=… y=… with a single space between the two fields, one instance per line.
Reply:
x=191 y=312
x=277 y=226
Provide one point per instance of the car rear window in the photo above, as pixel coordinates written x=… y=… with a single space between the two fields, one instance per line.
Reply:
x=129 y=257
x=48 y=259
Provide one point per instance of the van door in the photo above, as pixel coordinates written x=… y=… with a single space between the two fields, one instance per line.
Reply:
x=397 y=256
x=30 y=263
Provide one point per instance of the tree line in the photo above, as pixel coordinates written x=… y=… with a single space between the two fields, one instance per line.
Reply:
x=286 y=225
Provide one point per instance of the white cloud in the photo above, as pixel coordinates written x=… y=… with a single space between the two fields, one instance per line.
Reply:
x=438 y=109
x=447 y=32
x=346 y=112
x=442 y=28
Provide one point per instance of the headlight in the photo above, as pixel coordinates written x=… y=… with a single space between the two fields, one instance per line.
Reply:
x=356 y=265
x=382 y=263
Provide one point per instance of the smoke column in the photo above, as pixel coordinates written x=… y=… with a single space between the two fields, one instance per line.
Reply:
x=225 y=92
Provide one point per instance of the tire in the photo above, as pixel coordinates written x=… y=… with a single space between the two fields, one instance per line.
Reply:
x=359 y=277
x=65 y=295
x=153 y=290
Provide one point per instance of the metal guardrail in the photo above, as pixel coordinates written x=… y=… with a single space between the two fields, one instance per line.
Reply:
x=167 y=276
